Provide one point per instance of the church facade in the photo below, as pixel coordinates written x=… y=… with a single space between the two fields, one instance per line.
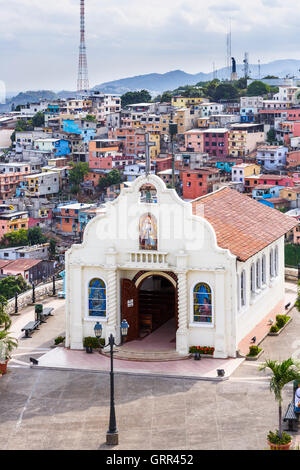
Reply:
x=212 y=269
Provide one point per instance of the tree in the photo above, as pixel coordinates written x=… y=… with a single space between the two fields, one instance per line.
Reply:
x=133 y=97
x=38 y=119
x=112 y=178
x=10 y=285
x=225 y=91
x=52 y=248
x=241 y=84
x=257 y=88
x=12 y=239
x=270 y=77
x=35 y=236
x=91 y=118
x=271 y=135
x=282 y=373
x=77 y=173
x=166 y=97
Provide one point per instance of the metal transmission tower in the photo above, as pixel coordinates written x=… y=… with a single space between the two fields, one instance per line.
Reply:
x=228 y=58
x=83 y=78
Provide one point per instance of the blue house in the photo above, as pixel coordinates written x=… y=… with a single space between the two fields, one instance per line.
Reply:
x=75 y=127
x=62 y=148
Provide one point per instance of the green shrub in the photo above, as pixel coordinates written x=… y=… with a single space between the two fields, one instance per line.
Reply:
x=254 y=351
x=281 y=320
x=59 y=340
x=274 y=329
x=273 y=438
x=39 y=308
x=92 y=342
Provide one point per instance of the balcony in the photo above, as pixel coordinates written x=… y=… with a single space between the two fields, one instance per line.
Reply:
x=153 y=259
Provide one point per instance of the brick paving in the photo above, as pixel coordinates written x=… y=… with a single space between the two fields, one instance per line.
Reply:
x=157 y=413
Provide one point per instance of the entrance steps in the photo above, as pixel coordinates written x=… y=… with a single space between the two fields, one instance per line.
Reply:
x=147 y=356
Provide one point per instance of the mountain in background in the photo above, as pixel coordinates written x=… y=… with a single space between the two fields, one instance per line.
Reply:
x=156 y=83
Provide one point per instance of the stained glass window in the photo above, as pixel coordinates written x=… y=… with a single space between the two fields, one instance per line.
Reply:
x=202 y=303
x=97 y=298
x=148 y=232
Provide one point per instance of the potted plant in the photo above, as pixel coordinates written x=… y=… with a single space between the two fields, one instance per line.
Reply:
x=282 y=373
x=7 y=343
x=90 y=343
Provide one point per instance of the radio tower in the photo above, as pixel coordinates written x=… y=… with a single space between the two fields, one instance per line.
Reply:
x=83 y=78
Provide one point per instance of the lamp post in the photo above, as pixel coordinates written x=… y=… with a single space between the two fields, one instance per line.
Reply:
x=112 y=436
x=33 y=293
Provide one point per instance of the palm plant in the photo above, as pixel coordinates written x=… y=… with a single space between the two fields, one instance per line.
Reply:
x=282 y=373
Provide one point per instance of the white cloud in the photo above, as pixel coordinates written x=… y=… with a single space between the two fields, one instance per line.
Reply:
x=127 y=37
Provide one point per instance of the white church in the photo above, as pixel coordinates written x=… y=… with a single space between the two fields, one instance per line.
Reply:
x=212 y=270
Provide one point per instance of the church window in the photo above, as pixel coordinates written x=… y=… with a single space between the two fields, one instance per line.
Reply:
x=264 y=270
x=276 y=261
x=272 y=263
x=202 y=303
x=97 y=298
x=148 y=232
x=258 y=274
x=243 y=288
x=252 y=278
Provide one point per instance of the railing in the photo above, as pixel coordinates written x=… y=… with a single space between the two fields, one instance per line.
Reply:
x=148 y=258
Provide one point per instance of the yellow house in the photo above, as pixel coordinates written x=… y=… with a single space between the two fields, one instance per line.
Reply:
x=242 y=142
x=291 y=194
x=183 y=102
x=155 y=149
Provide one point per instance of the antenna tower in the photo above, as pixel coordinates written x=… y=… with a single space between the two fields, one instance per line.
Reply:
x=228 y=61
x=83 y=78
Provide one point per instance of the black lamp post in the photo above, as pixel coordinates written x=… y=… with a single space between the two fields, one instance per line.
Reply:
x=16 y=303
x=112 y=436
x=33 y=293
x=53 y=286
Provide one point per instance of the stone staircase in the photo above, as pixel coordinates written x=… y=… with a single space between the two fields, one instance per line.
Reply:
x=146 y=356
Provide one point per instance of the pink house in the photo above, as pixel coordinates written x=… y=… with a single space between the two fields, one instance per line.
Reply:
x=211 y=141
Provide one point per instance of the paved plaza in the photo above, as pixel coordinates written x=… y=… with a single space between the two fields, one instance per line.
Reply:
x=37 y=407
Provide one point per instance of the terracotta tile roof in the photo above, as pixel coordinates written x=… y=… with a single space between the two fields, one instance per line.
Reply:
x=242 y=225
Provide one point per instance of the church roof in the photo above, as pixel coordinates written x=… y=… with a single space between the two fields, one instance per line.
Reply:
x=242 y=225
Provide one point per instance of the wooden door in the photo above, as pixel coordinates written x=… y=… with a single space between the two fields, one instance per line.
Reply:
x=130 y=308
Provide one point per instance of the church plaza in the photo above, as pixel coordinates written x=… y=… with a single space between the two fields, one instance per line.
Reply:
x=153 y=412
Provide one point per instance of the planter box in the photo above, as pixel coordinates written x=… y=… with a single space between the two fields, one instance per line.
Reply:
x=254 y=358
x=3 y=368
x=280 y=446
x=278 y=332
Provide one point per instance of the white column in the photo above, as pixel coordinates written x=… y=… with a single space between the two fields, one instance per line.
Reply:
x=220 y=308
x=111 y=307
x=75 y=307
x=182 y=332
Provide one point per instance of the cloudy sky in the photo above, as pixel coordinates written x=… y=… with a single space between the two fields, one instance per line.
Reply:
x=39 y=38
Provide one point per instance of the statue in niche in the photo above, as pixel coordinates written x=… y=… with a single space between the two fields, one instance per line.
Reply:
x=148 y=232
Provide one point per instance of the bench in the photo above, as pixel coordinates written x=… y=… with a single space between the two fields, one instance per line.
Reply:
x=30 y=327
x=291 y=417
x=47 y=312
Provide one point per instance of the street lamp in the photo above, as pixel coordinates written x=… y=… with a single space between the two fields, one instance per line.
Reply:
x=112 y=436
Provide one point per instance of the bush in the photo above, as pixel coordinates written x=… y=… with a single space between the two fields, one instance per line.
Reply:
x=59 y=340
x=91 y=342
x=273 y=438
x=39 y=308
x=254 y=351
x=274 y=329
x=281 y=320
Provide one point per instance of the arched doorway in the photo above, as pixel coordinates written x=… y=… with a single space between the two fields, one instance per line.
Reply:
x=148 y=302
x=157 y=304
